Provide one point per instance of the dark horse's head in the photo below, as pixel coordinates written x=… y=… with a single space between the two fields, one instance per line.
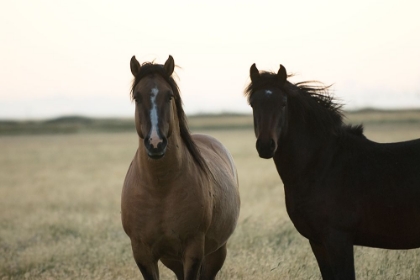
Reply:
x=278 y=106
x=268 y=100
x=153 y=92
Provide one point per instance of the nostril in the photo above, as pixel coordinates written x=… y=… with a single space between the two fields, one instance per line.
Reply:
x=272 y=144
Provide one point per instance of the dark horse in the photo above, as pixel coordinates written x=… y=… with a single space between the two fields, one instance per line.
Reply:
x=341 y=189
x=180 y=201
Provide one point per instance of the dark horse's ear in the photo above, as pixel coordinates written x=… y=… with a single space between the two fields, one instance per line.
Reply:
x=254 y=73
x=134 y=66
x=169 y=65
x=282 y=75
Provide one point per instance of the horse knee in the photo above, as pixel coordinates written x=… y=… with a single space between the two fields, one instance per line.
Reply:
x=213 y=263
x=339 y=249
x=147 y=264
x=322 y=259
x=149 y=271
x=192 y=267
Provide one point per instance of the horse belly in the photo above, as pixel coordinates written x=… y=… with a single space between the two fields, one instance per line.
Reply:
x=224 y=192
x=389 y=213
x=224 y=219
x=391 y=228
x=219 y=232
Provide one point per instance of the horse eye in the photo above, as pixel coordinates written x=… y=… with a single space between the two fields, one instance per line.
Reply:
x=137 y=99
x=169 y=96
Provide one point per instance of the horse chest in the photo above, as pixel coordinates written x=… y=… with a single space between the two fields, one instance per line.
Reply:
x=305 y=213
x=162 y=222
x=163 y=234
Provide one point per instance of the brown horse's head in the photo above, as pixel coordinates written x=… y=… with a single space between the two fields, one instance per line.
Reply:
x=269 y=104
x=154 y=98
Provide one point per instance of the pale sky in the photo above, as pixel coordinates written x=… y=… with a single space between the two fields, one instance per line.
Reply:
x=72 y=57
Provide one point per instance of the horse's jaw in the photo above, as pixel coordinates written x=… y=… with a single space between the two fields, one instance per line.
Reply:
x=155 y=156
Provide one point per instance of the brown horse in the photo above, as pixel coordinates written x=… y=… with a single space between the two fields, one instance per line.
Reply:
x=341 y=189
x=180 y=201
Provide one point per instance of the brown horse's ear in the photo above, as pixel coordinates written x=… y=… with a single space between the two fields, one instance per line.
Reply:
x=134 y=66
x=169 y=65
x=254 y=73
x=282 y=75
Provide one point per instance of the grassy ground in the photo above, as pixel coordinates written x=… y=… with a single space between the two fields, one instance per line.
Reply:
x=60 y=210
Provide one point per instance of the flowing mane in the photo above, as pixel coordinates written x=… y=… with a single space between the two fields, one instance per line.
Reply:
x=309 y=101
x=150 y=68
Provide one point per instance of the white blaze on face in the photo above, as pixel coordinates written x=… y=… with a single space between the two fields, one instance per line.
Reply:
x=268 y=92
x=154 y=136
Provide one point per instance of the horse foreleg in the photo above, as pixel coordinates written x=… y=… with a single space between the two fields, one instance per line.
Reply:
x=149 y=271
x=339 y=251
x=193 y=258
x=175 y=266
x=321 y=256
x=213 y=263
x=145 y=262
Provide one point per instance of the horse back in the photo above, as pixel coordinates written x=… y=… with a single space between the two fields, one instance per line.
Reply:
x=396 y=164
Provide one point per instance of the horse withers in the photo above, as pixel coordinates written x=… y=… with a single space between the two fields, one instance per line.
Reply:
x=180 y=201
x=341 y=189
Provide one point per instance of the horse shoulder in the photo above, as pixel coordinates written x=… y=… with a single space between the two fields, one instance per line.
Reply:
x=207 y=142
x=215 y=153
x=127 y=201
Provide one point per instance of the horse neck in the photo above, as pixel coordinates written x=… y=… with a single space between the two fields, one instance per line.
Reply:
x=302 y=151
x=171 y=165
x=167 y=168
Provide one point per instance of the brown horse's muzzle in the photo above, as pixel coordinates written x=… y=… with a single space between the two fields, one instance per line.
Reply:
x=156 y=148
x=266 y=147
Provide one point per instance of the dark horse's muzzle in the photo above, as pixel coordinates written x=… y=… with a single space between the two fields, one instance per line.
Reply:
x=266 y=148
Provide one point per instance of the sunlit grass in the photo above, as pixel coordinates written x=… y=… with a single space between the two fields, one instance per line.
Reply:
x=60 y=212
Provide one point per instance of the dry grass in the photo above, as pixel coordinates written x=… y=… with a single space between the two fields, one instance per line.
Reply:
x=60 y=212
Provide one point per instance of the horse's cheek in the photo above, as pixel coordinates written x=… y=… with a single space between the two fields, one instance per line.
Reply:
x=138 y=124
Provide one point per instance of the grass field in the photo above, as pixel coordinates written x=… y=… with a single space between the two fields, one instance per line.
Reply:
x=60 y=208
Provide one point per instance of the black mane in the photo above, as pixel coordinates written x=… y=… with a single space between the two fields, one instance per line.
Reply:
x=150 y=68
x=309 y=101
